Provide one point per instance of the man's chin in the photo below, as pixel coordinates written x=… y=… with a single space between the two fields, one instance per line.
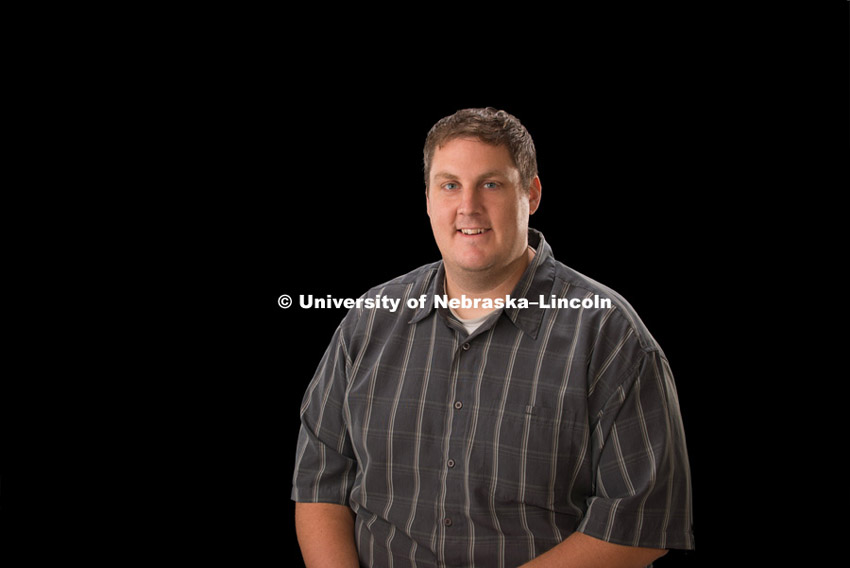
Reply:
x=473 y=266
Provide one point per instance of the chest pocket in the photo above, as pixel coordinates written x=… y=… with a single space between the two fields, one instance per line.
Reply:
x=536 y=455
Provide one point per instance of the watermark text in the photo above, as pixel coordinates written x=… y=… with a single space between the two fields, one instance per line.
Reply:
x=309 y=302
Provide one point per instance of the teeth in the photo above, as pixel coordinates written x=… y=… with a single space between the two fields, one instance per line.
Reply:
x=472 y=231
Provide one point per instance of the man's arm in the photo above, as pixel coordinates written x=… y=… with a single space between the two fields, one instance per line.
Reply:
x=326 y=535
x=582 y=551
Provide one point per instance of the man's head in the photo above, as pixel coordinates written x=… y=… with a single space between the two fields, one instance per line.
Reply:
x=491 y=126
x=481 y=187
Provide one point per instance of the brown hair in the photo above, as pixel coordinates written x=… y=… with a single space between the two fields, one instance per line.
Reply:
x=491 y=126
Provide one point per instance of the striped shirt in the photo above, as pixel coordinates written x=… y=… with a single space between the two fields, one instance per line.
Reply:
x=487 y=449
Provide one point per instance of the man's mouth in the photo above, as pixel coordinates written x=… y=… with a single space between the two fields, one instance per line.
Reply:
x=477 y=231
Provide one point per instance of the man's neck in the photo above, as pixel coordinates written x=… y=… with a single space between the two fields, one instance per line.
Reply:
x=485 y=285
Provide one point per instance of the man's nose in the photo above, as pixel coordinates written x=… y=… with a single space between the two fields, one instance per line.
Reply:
x=470 y=201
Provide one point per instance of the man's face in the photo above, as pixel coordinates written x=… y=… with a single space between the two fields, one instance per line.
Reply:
x=477 y=206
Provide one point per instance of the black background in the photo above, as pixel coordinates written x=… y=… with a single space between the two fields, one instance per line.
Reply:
x=690 y=158
x=679 y=161
x=678 y=167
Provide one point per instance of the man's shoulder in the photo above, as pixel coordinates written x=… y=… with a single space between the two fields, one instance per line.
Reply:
x=623 y=310
x=416 y=279
x=395 y=291
x=580 y=280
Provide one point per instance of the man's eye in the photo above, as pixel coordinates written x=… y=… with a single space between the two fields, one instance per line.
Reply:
x=450 y=186
x=491 y=185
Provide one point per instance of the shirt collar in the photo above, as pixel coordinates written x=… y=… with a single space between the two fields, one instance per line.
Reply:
x=536 y=281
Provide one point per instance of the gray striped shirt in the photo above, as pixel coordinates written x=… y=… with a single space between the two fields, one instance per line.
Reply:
x=489 y=449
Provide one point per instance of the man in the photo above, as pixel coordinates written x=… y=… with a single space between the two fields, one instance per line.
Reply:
x=491 y=432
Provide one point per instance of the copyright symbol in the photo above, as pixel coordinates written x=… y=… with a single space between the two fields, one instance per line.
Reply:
x=284 y=301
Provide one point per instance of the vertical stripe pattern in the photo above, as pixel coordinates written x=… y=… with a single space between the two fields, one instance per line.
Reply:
x=487 y=449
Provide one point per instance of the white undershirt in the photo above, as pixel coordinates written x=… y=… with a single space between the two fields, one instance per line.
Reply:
x=471 y=324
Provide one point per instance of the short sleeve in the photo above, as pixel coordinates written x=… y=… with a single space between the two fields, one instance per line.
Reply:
x=642 y=494
x=325 y=465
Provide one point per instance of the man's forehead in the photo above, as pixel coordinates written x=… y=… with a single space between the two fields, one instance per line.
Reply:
x=465 y=154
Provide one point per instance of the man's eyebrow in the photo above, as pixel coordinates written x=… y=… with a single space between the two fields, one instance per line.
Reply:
x=445 y=175
x=494 y=173
x=488 y=174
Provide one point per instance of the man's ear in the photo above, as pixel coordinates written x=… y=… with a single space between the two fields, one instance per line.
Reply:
x=534 y=195
x=427 y=202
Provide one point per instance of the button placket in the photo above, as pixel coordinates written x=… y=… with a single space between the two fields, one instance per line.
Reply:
x=463 y=363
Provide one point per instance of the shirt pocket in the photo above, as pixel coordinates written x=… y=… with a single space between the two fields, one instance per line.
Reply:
x=536 y=454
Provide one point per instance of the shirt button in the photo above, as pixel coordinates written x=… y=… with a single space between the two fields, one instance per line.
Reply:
x=458 y=405
x=465 y=346
x=447 y=522
x=450 y=463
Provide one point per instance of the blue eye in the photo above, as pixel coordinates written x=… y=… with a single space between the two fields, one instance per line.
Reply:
x=491 y=185
x=450 y=186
